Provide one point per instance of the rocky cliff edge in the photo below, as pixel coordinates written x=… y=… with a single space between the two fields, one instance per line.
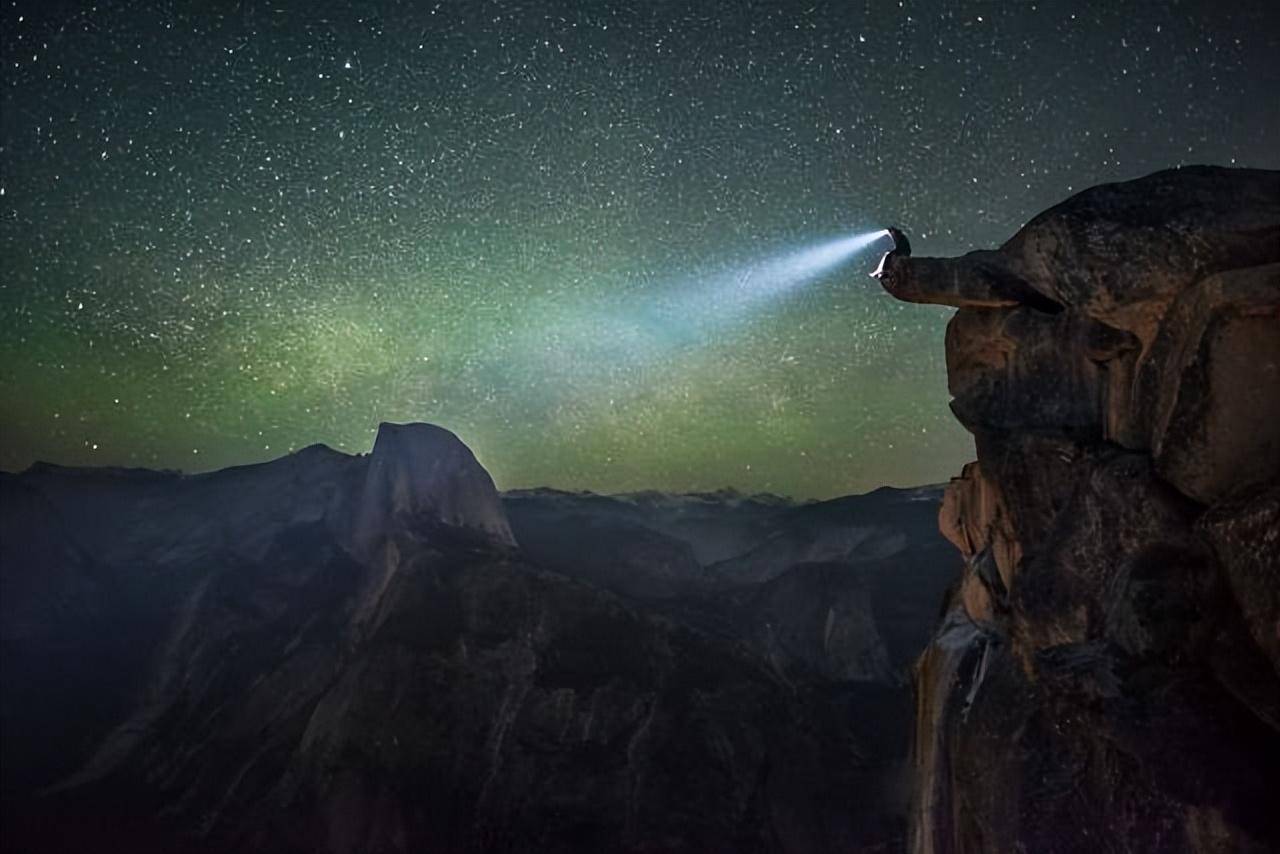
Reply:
x=1106 y=670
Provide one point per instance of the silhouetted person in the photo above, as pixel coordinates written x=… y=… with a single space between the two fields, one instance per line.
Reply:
x=901 y=246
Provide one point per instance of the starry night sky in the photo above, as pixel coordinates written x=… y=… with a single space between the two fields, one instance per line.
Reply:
x=232 y=229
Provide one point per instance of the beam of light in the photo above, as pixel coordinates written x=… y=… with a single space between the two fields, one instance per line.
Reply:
x=772 y=278
x=726 y=297
x=626 y=333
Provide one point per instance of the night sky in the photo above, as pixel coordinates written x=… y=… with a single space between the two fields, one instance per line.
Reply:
x=229 y=230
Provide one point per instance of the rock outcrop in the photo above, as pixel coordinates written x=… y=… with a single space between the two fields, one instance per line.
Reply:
x=419 y=471
x=1105 y=676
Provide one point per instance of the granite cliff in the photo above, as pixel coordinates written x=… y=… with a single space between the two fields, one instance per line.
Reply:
x=1104 y=677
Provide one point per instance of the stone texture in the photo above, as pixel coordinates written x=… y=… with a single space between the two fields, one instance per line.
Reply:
x=1105 y=676
x=1211 y=387
x=1245 y=535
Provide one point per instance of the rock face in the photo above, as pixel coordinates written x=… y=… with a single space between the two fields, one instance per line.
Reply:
x=419 y=470
x=1105 y=675
x=332 y=653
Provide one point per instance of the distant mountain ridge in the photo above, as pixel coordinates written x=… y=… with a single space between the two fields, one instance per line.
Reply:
x=418 y=471
x=330 y=652
x=874 y=567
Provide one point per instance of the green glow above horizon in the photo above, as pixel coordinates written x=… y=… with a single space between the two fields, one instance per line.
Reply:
x=228 y=235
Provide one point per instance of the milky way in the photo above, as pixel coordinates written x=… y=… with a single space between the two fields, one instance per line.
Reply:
x=233 y=232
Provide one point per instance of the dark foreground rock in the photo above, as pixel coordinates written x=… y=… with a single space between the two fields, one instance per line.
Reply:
x=336 y=653
x=1105 y=676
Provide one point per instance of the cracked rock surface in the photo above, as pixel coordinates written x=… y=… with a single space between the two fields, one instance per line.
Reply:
x=1105 y=676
